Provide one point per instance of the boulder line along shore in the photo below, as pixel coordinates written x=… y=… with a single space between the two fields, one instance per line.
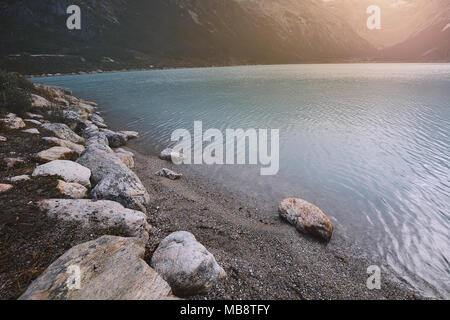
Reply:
x=230 y=249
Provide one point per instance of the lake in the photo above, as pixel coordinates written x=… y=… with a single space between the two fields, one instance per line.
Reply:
x=367 y=143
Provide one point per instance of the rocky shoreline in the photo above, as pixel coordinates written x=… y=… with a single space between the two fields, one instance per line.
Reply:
x=98 y=190
x=143 y=235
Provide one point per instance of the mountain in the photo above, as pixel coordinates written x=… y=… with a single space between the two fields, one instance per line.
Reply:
x=173 y=32
x=118 y=34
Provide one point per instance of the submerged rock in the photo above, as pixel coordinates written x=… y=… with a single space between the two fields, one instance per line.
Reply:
x=100 y=214
x=72 y=189
x=172 y=175
x=68 y=170
x=306 y=217
x=5 y=187
x=55 y=153
x=111 y=268
x=130 y=134
x=186 y=264
x=62 y=131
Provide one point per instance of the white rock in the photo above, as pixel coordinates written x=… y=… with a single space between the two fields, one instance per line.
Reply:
x=172 y=175
x=62 y=131
x=32 y=121
x=12 y=121
x=72 y=189
x=31 y=131
x=5 y=187
x=127 y=157
x=112 y=268
x=68 y=170
x=78 y=148
x=3 y=139
x=55 y=153
x=186 y=264
x=33 y=115
x=24 y=177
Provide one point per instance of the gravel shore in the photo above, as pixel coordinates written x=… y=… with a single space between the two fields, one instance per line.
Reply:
x=264 y=257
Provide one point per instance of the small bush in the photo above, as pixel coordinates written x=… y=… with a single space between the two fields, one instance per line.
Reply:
x=15 y=93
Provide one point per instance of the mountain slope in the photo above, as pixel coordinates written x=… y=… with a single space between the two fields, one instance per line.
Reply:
x=179 y=32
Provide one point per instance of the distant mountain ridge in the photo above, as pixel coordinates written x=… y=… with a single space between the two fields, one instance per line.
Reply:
x=139 y=33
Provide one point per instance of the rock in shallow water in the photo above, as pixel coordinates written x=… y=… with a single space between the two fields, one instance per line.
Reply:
x=170 y=155
x=68 y=170
x=306 y=217
x=111 y=268
x=115 y=139
x=186 y=264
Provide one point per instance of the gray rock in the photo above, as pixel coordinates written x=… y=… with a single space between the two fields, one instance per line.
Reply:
x=172 y=175
x=115 y=139
x=97 y=120
x=186 y=264
x=78 y=148
x=102 y=214
x=32 y=121
x=306 y=217
x=111 y=268
x=115 y=181
x=130 y=134
x=170 y=155
x=97 y=138
x=68 y=170
x=62 y=131
x=39 y=102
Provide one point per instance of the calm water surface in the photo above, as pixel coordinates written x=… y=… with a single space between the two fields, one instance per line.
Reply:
x=368 y=143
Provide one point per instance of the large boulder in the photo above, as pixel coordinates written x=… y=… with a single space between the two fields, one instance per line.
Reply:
x=101 y=214
x=12 y=121
x=110 y=268
x=68 y=170
x=115 y=181
x=62 y=131
x=306 y=217
x=55 y=153
x=186 y=264
x=78 y=148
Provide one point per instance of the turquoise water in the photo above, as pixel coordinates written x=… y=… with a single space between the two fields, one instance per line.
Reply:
x=368 y=143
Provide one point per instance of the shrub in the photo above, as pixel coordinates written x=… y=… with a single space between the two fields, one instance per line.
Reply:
x=15 y=92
